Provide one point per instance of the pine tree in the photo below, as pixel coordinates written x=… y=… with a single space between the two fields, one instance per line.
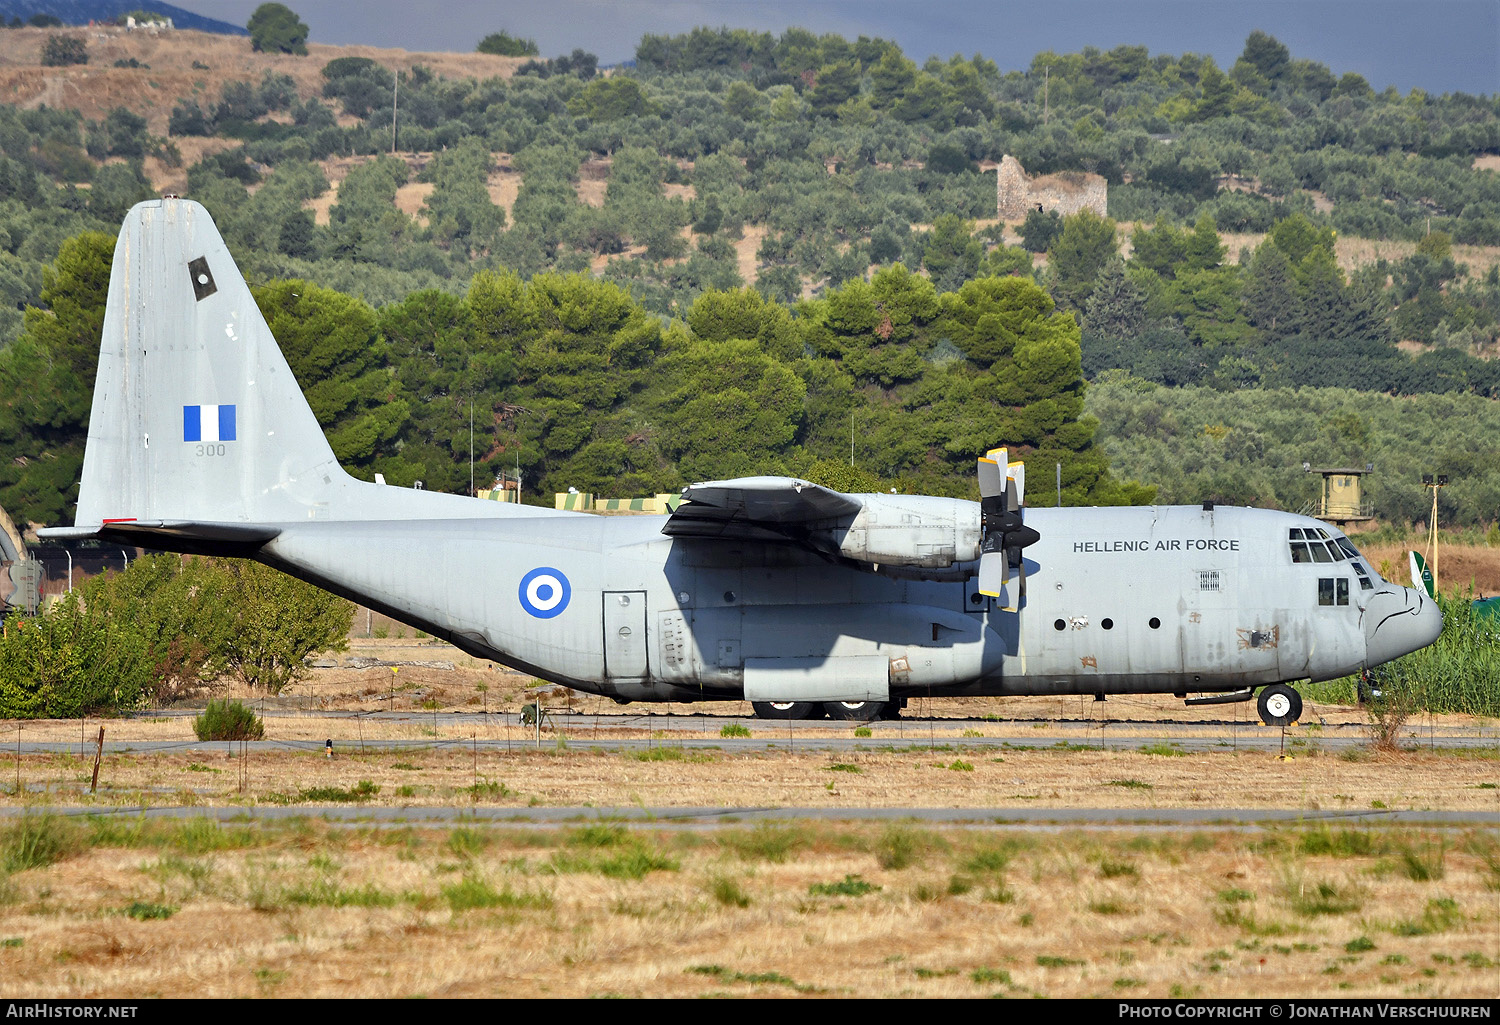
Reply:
x=1116 y=309
x=1272 y=302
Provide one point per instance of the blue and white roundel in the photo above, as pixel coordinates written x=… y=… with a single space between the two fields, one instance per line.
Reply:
x=545 y=592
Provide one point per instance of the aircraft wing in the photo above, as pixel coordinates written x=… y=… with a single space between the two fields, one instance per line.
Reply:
x=757 y=508
x=920 y=536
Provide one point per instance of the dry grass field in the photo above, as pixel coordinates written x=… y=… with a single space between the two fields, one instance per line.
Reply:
x=125 y=908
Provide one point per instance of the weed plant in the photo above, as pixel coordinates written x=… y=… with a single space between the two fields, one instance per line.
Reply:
x=146 y=911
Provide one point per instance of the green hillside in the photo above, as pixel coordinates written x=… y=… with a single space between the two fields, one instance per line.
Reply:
x=788 y=248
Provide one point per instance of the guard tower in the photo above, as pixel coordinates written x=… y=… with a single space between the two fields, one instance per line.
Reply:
x=1342 y=500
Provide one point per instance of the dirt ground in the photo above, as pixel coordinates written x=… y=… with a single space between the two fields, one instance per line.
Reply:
x=932 y=757
x=97 y=87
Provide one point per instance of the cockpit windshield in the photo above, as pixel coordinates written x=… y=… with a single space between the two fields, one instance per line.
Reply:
x=1319 y=544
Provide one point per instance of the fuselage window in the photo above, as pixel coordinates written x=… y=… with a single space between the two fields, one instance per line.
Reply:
x=1364 y=578
x=1333 y=591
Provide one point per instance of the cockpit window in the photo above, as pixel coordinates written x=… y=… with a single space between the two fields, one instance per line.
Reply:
x=1364 y=578
x=1314 y=544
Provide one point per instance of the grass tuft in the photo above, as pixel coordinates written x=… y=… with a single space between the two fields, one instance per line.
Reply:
x=36 y=842
x=1440 y=915
x=849 y=886
x=901 y=846
x=728 y=893
x=1426 y=865
x=361 y=791
x=146 y=911
x=474 y=894
x=766 y=843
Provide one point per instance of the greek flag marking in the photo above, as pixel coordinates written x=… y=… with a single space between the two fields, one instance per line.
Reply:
x=208 y=423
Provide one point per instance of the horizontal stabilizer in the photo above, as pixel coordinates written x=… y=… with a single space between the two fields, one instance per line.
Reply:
x=171 y=536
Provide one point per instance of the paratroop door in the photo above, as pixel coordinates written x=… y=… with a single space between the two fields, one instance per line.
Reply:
x=625 y=635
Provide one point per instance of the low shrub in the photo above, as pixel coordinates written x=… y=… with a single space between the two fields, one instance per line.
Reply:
x=228 y=720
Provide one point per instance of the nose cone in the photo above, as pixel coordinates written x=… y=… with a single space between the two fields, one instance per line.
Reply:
x=1398 y=621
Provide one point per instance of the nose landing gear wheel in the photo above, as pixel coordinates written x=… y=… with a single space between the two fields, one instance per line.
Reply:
x=786 y=709
x=857 y=711
x=1279 y=705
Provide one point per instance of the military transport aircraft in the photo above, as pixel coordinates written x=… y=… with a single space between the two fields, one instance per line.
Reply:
x=800 y=599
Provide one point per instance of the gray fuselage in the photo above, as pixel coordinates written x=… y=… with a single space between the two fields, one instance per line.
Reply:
x=1118 y=600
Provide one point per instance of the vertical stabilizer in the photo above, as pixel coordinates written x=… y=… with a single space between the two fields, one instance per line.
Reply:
x=196 y=414
x=197 y=418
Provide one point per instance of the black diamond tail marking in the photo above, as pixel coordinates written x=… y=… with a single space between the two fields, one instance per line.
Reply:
x=203 y=279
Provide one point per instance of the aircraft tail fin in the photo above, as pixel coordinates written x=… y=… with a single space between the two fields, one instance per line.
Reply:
x=197 y=417
x=196 y=414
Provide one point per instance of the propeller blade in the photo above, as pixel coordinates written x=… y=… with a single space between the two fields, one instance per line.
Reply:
x=992 y=469
x=992 y=573
x=1017 y=472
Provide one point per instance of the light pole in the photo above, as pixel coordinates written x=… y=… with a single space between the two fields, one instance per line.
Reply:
x=1434 y=482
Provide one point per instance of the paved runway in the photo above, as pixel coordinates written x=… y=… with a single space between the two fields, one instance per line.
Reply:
x=622 y=732
x=670 y=817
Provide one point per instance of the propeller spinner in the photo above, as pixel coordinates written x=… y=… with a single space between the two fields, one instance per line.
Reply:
x=1002 y=490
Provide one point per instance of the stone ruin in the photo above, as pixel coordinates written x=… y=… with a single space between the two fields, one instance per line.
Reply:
x=1067 y=192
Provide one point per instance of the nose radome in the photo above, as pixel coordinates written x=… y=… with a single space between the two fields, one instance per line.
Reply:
x=1398 y=621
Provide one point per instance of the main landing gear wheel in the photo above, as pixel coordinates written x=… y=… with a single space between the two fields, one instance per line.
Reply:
x=856 y=711
x=786 y=709
x=1279 y=705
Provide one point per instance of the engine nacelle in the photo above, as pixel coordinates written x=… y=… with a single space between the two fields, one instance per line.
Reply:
x=909 y=530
